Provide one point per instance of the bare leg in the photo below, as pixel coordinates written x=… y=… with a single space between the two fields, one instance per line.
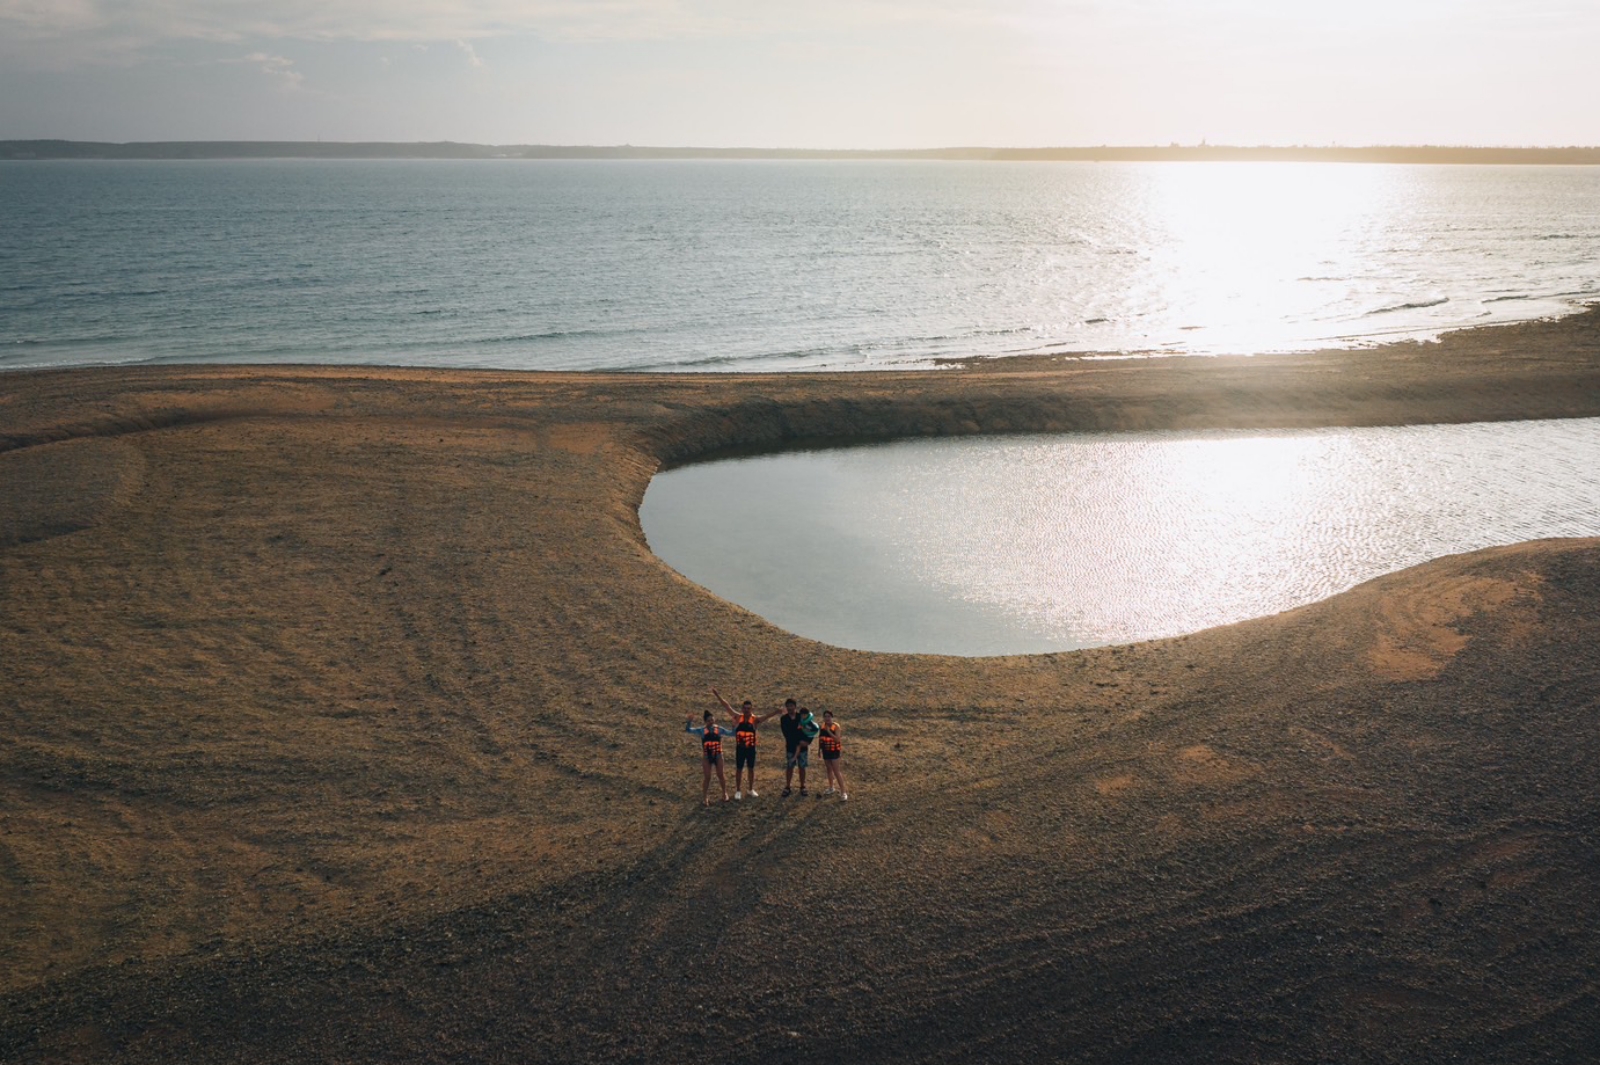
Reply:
x=705 y=783
x=721 y=781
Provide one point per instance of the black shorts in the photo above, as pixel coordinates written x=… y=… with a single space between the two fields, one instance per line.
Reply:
x=834 y=757
x=744 y=756
x=713 y=759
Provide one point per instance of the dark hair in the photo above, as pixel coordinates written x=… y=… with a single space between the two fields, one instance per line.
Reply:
x=707 y=716
x=788 y=702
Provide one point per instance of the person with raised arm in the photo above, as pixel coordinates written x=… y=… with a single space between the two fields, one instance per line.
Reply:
x=711 y=736
x=744 y=747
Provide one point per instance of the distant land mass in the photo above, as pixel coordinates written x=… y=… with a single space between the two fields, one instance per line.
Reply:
x=63 y=149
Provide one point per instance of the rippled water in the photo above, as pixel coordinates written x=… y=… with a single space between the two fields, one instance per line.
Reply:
x=997 y=545
x=768 y=265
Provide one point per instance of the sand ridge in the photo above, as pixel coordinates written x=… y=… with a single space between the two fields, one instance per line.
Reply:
x=342 y=718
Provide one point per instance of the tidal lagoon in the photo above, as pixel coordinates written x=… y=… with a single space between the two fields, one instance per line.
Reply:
x=1023 y=544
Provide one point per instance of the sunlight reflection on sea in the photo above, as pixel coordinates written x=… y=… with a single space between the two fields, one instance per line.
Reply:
x=769 y=265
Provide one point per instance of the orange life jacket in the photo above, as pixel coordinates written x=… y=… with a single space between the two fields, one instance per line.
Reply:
x=745 y=730
x=830 y=739
x=711 y=741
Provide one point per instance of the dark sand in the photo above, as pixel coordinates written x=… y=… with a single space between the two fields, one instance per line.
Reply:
x=340 y=719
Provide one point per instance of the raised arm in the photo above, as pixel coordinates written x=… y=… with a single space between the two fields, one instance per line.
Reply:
x=724 y=702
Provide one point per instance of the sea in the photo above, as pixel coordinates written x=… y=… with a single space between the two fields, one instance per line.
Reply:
x=768 y=265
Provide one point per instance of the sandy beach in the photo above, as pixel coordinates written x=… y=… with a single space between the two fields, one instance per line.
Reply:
x=341 y=720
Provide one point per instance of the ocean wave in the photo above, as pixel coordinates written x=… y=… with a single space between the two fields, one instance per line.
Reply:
x=554 y=334
x=31 y=361
x=715 y=362
x=1414 y=305
x=83 y=293
x=945 y=338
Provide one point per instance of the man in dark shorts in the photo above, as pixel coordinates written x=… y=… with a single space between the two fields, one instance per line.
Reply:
x=796 y=744
x=744 y=750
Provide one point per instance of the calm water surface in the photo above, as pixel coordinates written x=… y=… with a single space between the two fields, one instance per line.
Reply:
x=779 y=265
x=1000 y=545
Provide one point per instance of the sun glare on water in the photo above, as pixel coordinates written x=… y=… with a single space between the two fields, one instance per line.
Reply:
x=1250 y=501
x=1248 y=255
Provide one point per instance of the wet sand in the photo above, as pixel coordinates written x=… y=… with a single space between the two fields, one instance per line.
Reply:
x=341 y=710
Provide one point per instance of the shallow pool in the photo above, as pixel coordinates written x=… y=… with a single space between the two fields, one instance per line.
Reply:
x=1004 y=545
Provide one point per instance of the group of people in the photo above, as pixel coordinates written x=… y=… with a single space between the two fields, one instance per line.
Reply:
x=800 y=730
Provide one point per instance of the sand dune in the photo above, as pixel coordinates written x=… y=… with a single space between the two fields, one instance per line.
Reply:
x=341 y=717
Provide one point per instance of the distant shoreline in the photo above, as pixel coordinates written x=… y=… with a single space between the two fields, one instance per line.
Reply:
x=172 y=150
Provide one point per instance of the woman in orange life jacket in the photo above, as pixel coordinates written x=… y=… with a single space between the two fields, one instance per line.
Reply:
x=832 y=754
x=711 y=736
x=744 y=747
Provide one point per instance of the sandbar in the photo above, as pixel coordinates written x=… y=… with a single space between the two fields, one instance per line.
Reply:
x=341 y=719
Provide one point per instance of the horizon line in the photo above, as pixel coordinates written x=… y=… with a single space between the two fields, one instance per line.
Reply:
x=62 y=148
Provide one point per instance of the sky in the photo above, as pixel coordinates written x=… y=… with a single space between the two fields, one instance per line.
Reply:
x=805 y=74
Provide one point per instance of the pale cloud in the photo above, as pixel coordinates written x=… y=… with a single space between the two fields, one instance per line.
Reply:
x=101 y=25
x=49 y=18
x=141 y=21
x=473 y=59
x=277 y=67
x=811 y=73
x=138 y=22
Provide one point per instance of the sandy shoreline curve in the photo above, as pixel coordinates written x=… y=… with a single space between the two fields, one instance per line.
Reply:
x=341 y=710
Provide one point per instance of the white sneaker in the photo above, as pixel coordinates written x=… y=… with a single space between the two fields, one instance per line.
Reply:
x=738 y=795
x=844 y=795
x=828 y=791
x=754 y=794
